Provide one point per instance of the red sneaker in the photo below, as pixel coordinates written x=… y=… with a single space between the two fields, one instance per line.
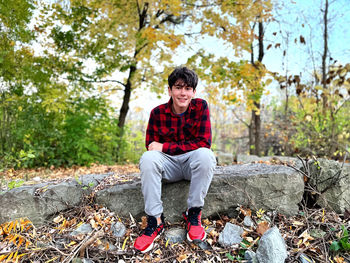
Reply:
x=145 y=242
x=194 y=227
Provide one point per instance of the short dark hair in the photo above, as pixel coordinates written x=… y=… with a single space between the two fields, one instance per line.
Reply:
x=187 y=75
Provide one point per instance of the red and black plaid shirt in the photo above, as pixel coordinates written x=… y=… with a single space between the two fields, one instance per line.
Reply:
x=180 y=133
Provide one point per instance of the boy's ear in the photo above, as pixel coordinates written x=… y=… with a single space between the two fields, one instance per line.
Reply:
x=169 y=91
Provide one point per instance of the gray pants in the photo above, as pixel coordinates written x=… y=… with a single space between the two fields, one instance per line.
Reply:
x=196 y=166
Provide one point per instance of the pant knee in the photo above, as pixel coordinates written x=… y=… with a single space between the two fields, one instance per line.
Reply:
x=204 y=158
x=150 y=163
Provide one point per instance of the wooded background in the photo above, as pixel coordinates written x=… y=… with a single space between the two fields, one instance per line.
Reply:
x=70 y=69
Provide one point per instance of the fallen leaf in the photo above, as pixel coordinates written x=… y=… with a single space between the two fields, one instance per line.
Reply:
x=213 y=233
x=144 y=222
x=158 y=252
x=262 y=227
x=305 y=237
x=297 y=223
x=220 y=223
x=245 y=211
x=182 y=257
x=249 y=239
x=93 y=223
x=339 y=259
x=206 y=222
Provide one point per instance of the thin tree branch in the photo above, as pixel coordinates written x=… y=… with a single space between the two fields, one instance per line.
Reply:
x=97 y=81
x=234 y=113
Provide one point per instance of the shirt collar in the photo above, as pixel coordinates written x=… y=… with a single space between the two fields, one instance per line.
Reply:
x=169 y=110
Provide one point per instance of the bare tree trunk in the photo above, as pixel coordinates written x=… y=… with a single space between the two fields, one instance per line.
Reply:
x=2 y=127
x=126 y=99
x=256 y=118
x=257 y=130
x=142 y=14
x=251 y=135
x=324 y=56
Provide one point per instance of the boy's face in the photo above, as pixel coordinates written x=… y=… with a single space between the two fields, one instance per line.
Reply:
x=181 y=95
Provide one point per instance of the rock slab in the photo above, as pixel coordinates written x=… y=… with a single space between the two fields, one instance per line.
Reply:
x=329 y=177
x=271 y=187
x=41 y=201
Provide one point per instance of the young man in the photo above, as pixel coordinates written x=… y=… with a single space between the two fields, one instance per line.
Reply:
x=178 y=141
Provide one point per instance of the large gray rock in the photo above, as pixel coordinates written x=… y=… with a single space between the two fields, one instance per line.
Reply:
x=335 y=185
x=224 y=158
x=271 y=187
x=250 y=256
x=272 y=248
x=39 y=202
x=255 y=185
x=243 y=158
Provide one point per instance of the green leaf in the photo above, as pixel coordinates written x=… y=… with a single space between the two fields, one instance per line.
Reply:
x=77 y=180
x=230 y=257
x=335 y=246
x=344 y=241
x=30 y=155
x=245 y=244
x=15 y=184
x=345 y=234
x=345 y=245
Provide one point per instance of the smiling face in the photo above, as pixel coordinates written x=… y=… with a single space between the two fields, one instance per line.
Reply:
x=181 y=95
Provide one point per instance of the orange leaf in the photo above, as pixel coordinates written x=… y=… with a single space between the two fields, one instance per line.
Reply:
x=144 y=222
x=27 y=244
x=20 y=241
x=93 y=223
x=262 y=227
x=245 y=211
x=11 y=226
x=182 y=257
x=13 y=239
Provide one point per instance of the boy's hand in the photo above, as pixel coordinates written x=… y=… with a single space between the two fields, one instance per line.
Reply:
x=155 y=146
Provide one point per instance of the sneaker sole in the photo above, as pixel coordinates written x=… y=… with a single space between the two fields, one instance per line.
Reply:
x=191 y=240
x=150 y=247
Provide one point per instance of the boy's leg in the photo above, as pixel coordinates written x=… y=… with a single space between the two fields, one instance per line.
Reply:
x=199 y=168
x=155 y=166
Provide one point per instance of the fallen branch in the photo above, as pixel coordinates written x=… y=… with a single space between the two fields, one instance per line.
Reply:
x=89 y=242
x=77 y=249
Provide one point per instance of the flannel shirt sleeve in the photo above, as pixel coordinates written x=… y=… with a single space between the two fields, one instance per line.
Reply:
x=152 y=134
x=203 y=138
